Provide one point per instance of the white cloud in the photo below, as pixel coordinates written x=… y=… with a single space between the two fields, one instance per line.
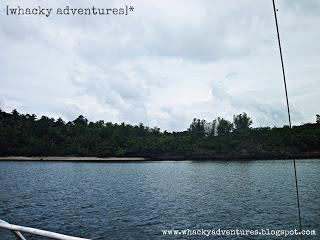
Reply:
x=165 y=64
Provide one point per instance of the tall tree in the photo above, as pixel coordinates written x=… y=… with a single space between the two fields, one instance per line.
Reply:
x=241 y=122
x=197 y=127
x=224 y=126
x=211 y=128
x=81 y=121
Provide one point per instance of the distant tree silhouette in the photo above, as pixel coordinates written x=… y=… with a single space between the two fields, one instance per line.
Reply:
x=224 y=127
x=25 y=134
x=211 y=128
x=80 y=121
x=198 y=127
x=241 y=122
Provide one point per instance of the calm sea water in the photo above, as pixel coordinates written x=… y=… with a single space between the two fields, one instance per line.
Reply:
x=138 y=200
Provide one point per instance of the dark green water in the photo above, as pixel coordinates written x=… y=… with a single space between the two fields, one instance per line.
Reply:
x=138 y=200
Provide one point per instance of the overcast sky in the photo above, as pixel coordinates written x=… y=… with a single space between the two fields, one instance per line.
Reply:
x=165 y=64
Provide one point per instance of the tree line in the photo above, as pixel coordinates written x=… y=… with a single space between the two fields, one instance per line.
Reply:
x=27 y=135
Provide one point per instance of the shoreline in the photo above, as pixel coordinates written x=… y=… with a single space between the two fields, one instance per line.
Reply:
x=73 y=158
x=142 y=159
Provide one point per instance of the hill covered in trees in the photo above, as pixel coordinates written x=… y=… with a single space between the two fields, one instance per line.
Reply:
x=26 y=135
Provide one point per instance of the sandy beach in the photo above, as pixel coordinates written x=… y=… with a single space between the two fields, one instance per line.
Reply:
x=55 y=158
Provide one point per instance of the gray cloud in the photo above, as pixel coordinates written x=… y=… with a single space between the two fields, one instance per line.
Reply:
x=165 y=64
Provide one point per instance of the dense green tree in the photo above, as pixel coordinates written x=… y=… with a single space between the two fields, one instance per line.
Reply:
x=25 y=134
x=80 y=121
x=224 y=126
x=198 y=128
x=241 y=122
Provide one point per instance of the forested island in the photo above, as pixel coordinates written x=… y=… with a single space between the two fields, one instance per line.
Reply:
x=27 y=135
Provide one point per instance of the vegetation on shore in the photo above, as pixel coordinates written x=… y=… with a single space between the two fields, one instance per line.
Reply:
x=25 y=135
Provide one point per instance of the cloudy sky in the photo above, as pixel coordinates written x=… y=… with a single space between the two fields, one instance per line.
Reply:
x=164 y=64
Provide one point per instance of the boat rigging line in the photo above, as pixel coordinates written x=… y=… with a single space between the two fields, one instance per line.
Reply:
x=288 y=109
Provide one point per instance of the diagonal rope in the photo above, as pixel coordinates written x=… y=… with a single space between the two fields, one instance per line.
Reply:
x=288 y=108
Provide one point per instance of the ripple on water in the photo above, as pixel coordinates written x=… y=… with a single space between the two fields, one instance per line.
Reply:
x=138 y=200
